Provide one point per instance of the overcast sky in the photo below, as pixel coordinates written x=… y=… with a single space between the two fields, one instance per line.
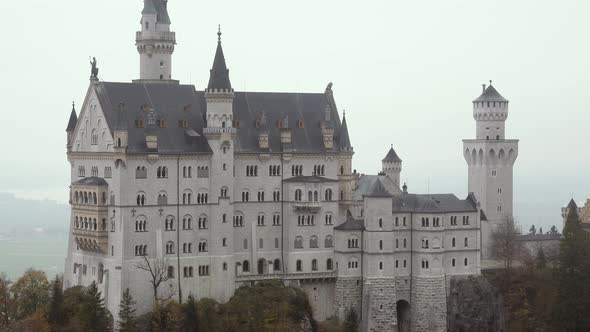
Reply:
x=405 y=71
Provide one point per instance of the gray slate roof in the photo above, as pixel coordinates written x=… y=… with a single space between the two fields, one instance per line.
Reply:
x=392 y=156
x=344 y=138
x=91 y=181
x=378 y=190
x=539 y=237
x=432 y=203
x=366 y=182
x=73 y=120
x=219 y=76
x=351 y=225
x=122 y=105
x=490 y=94
x=309 y=179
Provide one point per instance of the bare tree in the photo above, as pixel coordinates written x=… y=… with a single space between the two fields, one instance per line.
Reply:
x=505 y=245
x=158 y=270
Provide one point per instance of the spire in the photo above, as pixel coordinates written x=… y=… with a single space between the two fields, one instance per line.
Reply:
x=73 y=119
x=344 y=138
x=392 y=157
x=219 y=78
x=149 y=8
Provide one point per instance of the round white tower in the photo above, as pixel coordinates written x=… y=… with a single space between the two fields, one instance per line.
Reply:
x=155 y=42
x=490 y=158
x=392 y=166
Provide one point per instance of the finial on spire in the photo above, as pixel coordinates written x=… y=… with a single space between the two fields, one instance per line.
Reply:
x=490 y=82
x=73 y=105
x=219 y=33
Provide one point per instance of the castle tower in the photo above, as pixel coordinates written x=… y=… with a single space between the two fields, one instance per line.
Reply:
x=392 y=166
x=155 y=42
x=220 y=134
x=490 y=158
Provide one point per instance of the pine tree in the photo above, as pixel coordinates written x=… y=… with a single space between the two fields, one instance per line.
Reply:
x=351 y=323
x=553 y=230
x=533 y=230
x=55 y=311
x=93 y=314
x=191 y=317
x=127 y=321
x=573 y=305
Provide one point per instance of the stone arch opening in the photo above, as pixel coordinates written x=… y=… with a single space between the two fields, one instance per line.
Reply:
x=262 y=266
x=403 y=316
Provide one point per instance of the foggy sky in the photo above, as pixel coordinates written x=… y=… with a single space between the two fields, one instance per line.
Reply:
x=405 y=71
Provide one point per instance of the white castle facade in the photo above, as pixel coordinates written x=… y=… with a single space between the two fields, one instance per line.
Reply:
x=230 y=188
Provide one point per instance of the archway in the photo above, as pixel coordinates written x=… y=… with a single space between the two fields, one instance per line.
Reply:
x=403 y=316
x=261 y=266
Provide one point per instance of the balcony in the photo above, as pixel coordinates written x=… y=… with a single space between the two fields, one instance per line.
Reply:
x=93 y=241
x=227 y=130
x=309 y=207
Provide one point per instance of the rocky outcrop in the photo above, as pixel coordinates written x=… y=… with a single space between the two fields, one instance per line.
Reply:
x=474 y=305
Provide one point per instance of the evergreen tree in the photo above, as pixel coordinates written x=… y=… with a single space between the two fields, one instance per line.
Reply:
x=553 y=230
x=127 y=321
x=93 y=314
x=191 y=317
x=55 y=311
x=540 y=230
x=573 y=302
x=351 y=323
x=533 y=230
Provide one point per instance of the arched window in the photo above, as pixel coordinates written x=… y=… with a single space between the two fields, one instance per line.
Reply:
x=353 y=241
x=315 y=196
x=298 y=242
x=298 y=195
x=299 y=266
x=466 y=242
x=309 y=196
x=329 y=241
x=328 y=195
x=169 y=223
x=246 y=266
x=170 y=271
x=453 y=262
x=380 y=222
x=329 y=264
x=277 y=265
x=203 y=245
x=314 y=264
x=453 y=243
x=465 y=261
x=169 y=248
x=380 y=244
x=313 y=242
x=203 y=222
x=405 y=243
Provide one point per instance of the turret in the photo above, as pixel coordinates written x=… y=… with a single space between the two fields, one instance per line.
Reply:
x=490 y=111
x=219 y=93
x=392 y=166
x=155 y=42
x=71 y=126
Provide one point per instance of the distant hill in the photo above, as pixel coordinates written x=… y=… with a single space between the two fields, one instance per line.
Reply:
x=20 y=217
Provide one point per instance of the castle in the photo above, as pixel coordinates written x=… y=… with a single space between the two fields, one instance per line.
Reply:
x=229 y=188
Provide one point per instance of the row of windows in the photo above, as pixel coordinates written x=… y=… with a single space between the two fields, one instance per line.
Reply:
x=313 y=242
x=89 y=224
x=202 y=171
x=188 y=247
x=318 y=170
x=88 y=197
x=313 y=196
x=108 y=171
x=276 y=196
x=314 y=265
x=162 y=172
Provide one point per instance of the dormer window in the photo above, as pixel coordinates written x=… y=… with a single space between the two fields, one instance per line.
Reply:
x=300 y=124
x=139 y=123
x=183 y=123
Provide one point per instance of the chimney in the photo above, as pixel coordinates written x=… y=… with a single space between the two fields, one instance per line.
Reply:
x=483 y=88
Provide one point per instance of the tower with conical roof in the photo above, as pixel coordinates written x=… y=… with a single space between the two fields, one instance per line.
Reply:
x=490 y=158
x=392 y=166
x=155 y=42
x=71 y=126
x=221 y=133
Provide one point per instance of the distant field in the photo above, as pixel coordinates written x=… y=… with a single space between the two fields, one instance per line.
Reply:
x=40 y=251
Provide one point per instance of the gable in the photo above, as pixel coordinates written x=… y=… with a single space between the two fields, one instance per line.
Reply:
x=92 y=132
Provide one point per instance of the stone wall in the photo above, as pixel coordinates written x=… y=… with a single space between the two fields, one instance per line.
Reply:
x=380 y=305
x=348 y=295
x=429 y=304
x=474 y=305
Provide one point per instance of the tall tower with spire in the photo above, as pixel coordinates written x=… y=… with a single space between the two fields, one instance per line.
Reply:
x=221 y=134
x=155 y=42
x=490 y=158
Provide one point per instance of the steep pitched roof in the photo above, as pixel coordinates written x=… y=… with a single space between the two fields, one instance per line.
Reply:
x=122 y=105
x=219 y=77
x=392 y=157
x=436 y=203
x=73 y=120
x=149 y=7
x=351 y=224
x=344 y=138
x=378 y=190
x=490 y=94
x=572 y=204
